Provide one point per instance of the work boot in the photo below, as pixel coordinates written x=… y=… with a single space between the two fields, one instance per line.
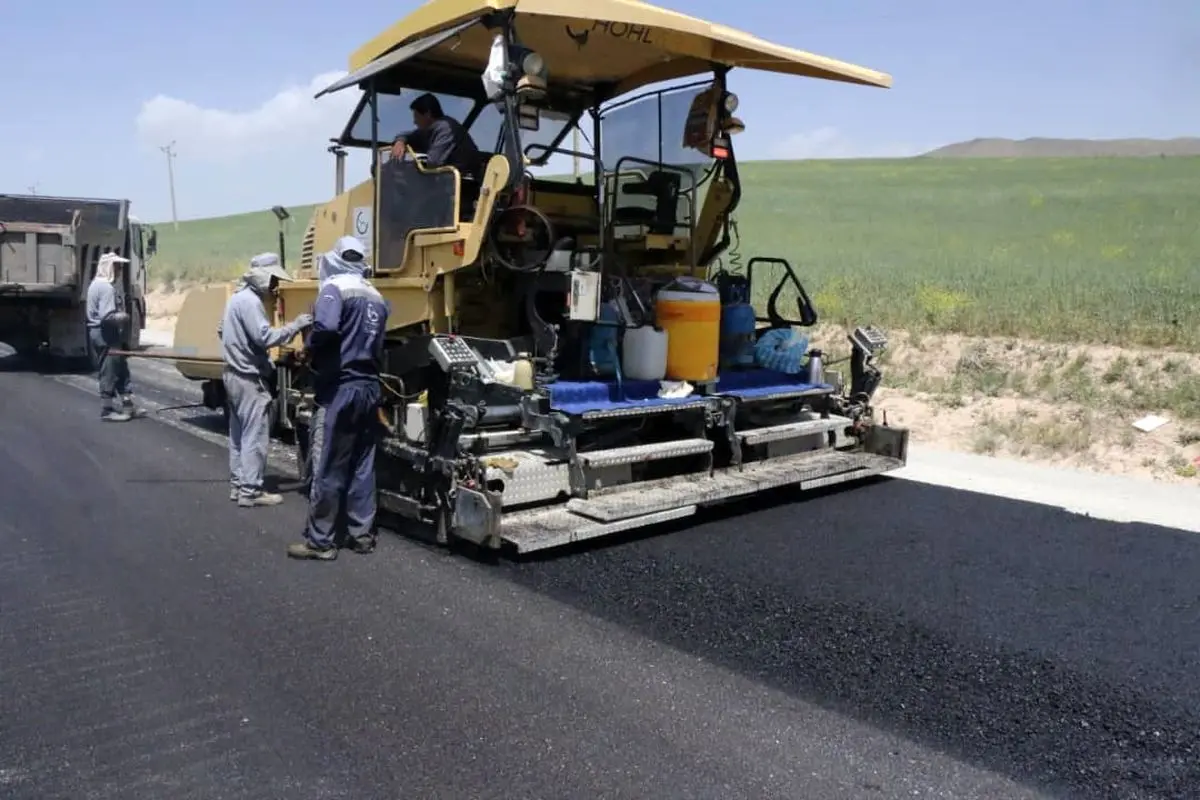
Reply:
x=259 y=499
x=113 y=415
x=306 y=551
x=362 y=545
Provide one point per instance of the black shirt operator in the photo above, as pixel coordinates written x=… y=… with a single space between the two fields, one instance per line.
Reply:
x=443 y=140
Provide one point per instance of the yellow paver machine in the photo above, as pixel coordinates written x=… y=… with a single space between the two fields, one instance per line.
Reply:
x=568 y=356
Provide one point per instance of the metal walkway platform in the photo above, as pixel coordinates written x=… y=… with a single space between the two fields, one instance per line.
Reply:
x=598 y=399
x=653 y=502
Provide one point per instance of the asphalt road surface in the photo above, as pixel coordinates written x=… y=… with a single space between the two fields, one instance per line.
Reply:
x=898 y=640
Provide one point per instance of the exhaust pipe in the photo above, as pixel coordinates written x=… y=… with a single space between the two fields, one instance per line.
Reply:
x=339 y=179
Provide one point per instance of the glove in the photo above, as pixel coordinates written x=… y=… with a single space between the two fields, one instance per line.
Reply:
x=302 y=321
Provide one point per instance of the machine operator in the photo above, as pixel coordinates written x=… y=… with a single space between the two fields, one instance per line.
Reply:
x=345 y=354
x=108 y=329
x=445 y=143
x=246 y=337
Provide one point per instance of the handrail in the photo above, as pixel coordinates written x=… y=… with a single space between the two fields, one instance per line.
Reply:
x=559 y=151
x=608 y=109
x=808 y=313
x=610 y=214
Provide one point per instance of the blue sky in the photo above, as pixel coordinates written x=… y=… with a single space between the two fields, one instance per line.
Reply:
x=102 y=85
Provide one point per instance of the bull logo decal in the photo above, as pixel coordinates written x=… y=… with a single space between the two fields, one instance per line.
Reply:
x=580 y=39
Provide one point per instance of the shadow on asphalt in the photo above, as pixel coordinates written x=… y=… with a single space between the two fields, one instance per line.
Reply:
x=1056 y=649
x=41 y=365
x=11 y=361
x=206 y=420
x=214 y=422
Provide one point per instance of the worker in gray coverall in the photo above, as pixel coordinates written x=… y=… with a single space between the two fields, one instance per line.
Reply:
x=246 y=337
x=108 y=329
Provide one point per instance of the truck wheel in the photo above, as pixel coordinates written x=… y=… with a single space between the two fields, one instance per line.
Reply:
x=273 y=429
x=135 y=326
x=304 y=466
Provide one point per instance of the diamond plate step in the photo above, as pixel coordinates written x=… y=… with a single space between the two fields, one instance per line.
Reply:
x=646 y=452
x=791 y=430
x=645 y=411
x=806 y=471
x=785 y=394
x=540 y=529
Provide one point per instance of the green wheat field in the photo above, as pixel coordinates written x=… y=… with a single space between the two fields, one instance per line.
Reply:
x=1074 y=250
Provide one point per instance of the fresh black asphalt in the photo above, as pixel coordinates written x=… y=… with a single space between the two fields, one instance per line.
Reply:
x=896 y=640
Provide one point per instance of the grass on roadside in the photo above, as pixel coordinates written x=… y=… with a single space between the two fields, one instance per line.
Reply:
x=219 y=248
x=1072 y=250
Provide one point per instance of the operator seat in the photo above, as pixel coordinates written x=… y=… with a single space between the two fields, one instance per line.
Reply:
x=663 y=219
x=411 y=199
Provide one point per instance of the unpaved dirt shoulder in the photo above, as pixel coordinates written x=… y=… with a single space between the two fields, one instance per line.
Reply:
x=162 y=309
x=1066 y=405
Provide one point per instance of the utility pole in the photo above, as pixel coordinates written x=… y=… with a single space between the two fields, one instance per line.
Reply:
x=170 y=151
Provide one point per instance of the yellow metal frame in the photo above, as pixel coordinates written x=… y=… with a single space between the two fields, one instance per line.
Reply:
x=421 y=288
x=623 y=43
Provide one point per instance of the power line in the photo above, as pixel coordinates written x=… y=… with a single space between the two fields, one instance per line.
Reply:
x=170 y=151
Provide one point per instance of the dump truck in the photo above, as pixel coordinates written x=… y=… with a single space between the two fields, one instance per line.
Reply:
x=49 y=249
x=570 y=357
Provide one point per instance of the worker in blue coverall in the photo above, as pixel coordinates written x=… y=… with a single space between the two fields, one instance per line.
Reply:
x=346 y=356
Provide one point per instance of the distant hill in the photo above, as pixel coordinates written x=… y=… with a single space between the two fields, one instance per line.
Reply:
x=1068 y=148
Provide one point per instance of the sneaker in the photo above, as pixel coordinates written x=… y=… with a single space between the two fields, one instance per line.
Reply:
x=129 y=408
x=260 y=499
x=304 y=550
x=112 y=415
x=234 y=494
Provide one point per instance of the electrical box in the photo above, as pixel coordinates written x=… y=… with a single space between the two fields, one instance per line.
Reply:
x=584 y=302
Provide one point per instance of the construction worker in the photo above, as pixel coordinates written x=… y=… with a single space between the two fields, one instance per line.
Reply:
x=246 y=337
x=328 y=265
x=442 y=139
x=108 y=329
x=346 y=258
x=444 y=142
x=345 y=354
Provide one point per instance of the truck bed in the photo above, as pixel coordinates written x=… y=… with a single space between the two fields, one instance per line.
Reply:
x=38 y=237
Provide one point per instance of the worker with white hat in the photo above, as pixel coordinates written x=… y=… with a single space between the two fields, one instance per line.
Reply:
x=346 y=347
x=108 y=330
x=246 y=339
